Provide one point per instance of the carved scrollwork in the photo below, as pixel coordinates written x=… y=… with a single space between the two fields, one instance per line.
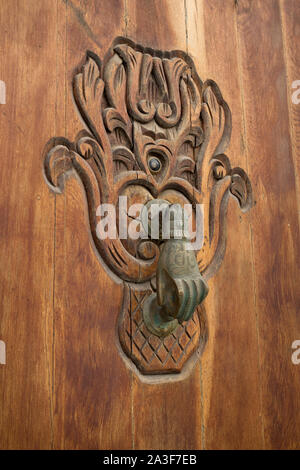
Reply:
x=141 y=104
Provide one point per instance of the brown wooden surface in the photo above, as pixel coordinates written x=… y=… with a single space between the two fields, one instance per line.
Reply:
x=27 y=221
x=230 y=371
x=290 y=14
x=65 y=384
x=274 y=221
x=175 y=415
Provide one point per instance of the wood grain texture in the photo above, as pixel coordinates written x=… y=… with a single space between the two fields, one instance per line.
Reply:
x=166 y=416
x=92 y=386
x=27 y=221
x=230 y=371
x=65 y=384
x=112 y=157
x=274 y=220
x=290 y=20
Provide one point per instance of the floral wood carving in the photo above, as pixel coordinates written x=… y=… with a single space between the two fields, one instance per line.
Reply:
x=137 y=104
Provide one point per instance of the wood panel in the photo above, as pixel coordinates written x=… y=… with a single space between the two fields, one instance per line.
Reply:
x=290 y=17
x=27 y=221
x=92 y=386
x=65 y=384
x=274 y=219
x=230 y=371
x=166 y=416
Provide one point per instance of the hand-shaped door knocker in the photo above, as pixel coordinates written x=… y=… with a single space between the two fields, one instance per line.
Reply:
x=179 y=284
x=154 y=133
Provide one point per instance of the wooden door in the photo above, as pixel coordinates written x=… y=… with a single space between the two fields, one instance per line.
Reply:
x=64 y=384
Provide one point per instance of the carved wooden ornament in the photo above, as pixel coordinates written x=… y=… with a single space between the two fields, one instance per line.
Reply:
x=138 y=104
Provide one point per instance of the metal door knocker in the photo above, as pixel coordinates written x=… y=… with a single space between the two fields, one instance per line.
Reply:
x=179 y=284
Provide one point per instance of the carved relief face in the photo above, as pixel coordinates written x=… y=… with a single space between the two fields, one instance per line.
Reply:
x=155 y=113
x=154 y=121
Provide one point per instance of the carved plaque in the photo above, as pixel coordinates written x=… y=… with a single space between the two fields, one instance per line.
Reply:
x=141 y=104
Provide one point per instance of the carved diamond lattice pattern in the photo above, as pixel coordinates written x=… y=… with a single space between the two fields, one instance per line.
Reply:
x=151 y=353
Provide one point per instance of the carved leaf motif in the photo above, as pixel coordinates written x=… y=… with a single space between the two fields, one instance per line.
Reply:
x=188 y=128
x=241 y=188
x=90 y=150
x=168 y=114
x=58 y=164
x=140 y=109
x=115 y=79
x=123 y=159
x=88 y=91
x=216 y=117
x=185 y=167
x=160 y=77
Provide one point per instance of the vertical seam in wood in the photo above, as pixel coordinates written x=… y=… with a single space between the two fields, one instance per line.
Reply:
x=125 y=18
x=132 y=412
x=51 y=373
x=53 y=331
x=66 y=133
x=245 y=140
x=186 y=28
x=202 y=407
x=289 y=103
x=131 y=379
x=62 y=441
x=202 y=434
x=66 y=73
